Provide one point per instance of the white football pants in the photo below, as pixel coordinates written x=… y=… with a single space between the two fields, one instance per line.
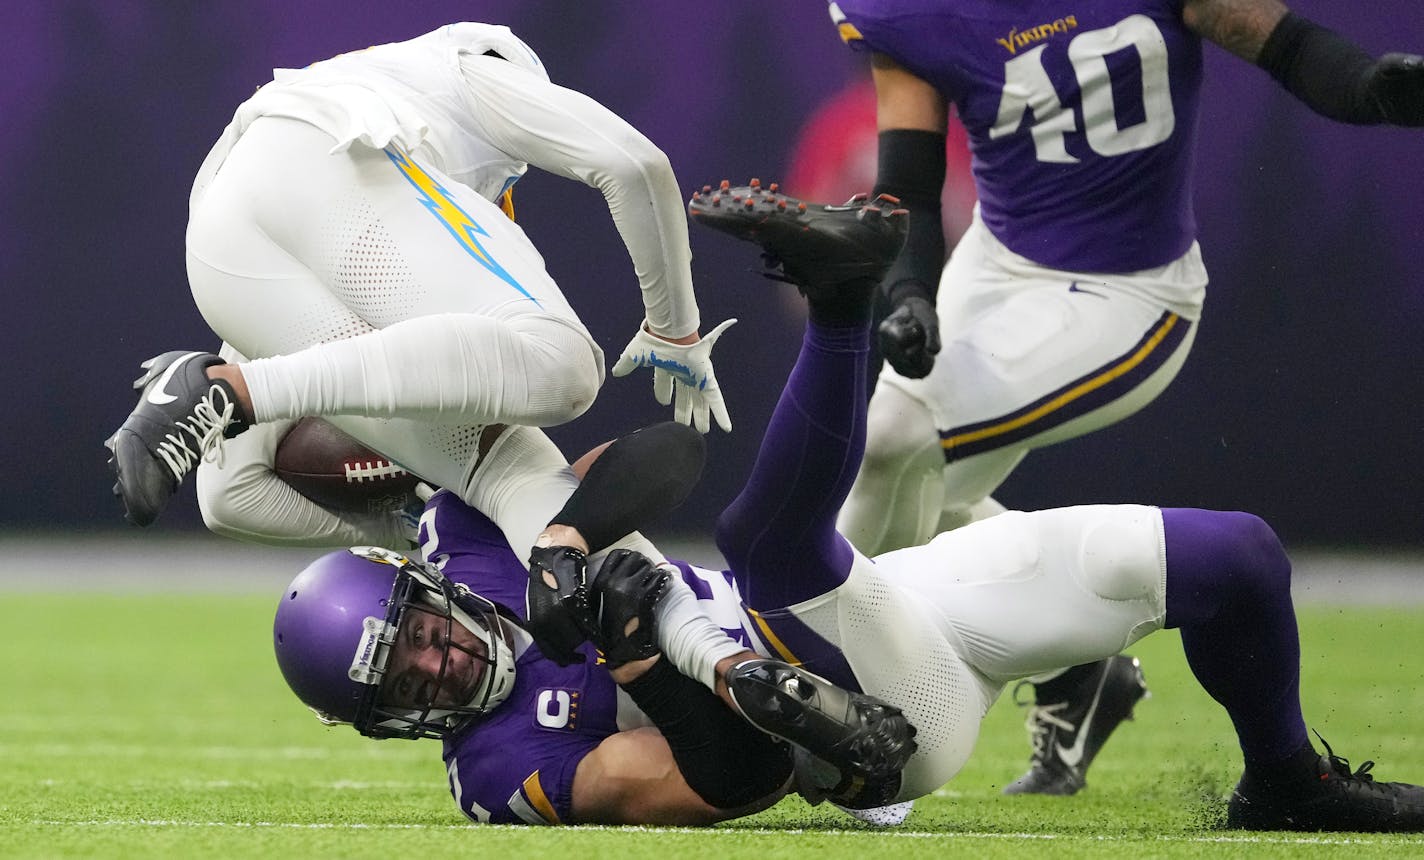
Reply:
x=371 y=289
x=1031 y=356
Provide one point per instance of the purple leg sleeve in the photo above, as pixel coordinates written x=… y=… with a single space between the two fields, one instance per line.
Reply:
x=1228 y=589
x=779 y=535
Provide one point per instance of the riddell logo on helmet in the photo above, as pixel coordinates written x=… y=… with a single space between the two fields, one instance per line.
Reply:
x=1023 y=38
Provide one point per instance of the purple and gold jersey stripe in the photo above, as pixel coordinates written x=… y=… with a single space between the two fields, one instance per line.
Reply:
x=772 y=640
x=1079 y=397
x=531 y=804
x=849 y=34
x=791 y=639
x=467 y=232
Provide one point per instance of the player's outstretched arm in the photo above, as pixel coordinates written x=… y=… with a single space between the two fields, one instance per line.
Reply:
x=633 y=778
x=912 y=116
x=1332 y=75
x=572 y=135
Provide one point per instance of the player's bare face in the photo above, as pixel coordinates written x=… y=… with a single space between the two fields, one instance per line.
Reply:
x=434 y=662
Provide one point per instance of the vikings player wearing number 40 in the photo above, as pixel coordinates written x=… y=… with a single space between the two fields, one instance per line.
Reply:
x=1073 y=298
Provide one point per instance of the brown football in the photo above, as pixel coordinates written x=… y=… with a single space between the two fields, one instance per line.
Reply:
x=333 y=469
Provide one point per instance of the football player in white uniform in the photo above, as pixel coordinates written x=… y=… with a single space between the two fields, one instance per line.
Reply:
x=346 y=242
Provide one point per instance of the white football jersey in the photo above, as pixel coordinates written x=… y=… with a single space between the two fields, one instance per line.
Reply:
x=482 y=121
x=412 y=95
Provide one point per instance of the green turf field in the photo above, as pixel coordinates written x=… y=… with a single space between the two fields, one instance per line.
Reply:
x=158 y=726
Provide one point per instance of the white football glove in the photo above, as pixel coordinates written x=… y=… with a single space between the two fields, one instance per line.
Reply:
x=690 y=366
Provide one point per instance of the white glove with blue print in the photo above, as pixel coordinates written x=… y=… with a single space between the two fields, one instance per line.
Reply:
x=689 y=366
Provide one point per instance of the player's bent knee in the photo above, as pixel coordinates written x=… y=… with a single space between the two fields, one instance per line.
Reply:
x=580 y=397
x=1257 y=555
x=1234 y=556
x=563 y=385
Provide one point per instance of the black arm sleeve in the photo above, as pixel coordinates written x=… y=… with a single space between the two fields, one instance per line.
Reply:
x=639 y=476
x=1329 y=73
x=911 y=167
x=725 y=759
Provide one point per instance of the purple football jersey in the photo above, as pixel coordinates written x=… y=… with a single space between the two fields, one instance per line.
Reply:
x=1081 y=117
x=516 y=764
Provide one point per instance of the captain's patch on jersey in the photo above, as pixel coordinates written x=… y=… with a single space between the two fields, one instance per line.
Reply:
x=556 y=708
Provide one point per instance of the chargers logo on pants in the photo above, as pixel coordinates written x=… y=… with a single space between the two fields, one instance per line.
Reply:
x=457 y=221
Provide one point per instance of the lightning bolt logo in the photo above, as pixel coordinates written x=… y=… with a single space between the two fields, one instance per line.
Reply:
x=457 y=221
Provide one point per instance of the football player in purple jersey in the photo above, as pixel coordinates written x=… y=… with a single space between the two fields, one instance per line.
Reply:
x=1072 y=300
x=552 y=731
x=467 y=647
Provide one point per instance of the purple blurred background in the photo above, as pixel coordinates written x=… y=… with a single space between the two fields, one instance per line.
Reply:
x=1303 y=400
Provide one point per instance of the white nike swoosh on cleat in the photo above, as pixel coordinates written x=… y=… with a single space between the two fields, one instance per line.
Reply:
x=1073 y=756
x=156 y=395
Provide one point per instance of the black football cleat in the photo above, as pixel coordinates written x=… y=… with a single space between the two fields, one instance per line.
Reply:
x=1332 y=798
x=181 y=417
x=863 y=737
x=1068 y=732
x=807 y=244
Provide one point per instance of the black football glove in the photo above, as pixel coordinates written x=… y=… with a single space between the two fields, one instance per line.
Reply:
x=561 y=615
x=1397 y=86
x=630 y=586
x=909 y=337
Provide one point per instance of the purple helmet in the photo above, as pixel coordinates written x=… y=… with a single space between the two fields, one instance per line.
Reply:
x=339 y=621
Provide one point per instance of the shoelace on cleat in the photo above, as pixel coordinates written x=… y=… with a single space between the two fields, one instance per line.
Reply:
x=1340 y=766
x=1041 y=721
x=205 y=425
